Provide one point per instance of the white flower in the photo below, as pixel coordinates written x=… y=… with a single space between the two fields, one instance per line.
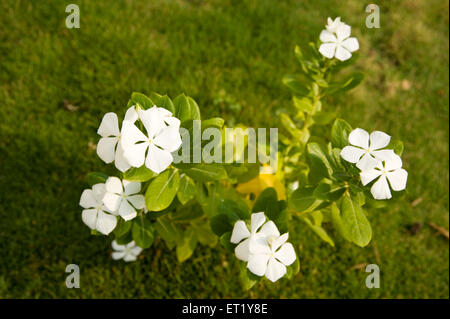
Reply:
x=163 y=137
x=391 y=171
x=119 y=197
x=109 y=131
x=128 y=252
x=240 y=232
x=368 y=152
x=96 y=215
x=337 y=41
x=271 y=257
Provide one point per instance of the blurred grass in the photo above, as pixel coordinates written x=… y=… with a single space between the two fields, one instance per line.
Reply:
x=239 y=48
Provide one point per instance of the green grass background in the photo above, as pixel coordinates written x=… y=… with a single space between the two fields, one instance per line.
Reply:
x=240 y=50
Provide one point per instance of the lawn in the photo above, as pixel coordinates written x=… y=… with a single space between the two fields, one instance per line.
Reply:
x=56 y=84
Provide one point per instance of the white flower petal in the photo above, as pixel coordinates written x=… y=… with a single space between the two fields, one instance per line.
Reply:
x=286 y=254
x=152 y=120
x=106 y=149
x=117 y=247
x=369 y=175
x=106 y=223
x=275 y=270
x=131 y=114
x=395 y=162
x=328 y=49
x=89 y=217
x=352 y=154
x=157 y=159
x=379 y=140
x=359 y=137
x=257 y=264
x=242 y=250
x=343 y=31
x=131 y=135
x=240 y=231
x=279 y=241
x=136 y=250
x=258 y=245
x=164 y=112
x=131 y=187
x=398 y=179
x=367 y=162
x=138 y=201
x=168 y=139
x=114 y=185
x=120 y=161
x=129 y=257
x=172 y=121
x=88 y=199
x=126 y=210
x=351 y=44
x=257 y=219
x=383 y=155
x=327 y=36
x=342 y=54
x=135 y=154
x=118 y=255
x=99 y=191
x=112 y=201
x=380 y=189
x=109 y=125
x=269 y=229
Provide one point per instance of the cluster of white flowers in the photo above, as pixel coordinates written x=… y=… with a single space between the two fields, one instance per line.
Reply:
x=265 y=251
x=128 y=252
x=374 y=161
x=106 y=200
x=336 y=40
x=130 y=147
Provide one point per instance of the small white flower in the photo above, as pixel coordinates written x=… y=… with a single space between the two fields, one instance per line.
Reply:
x=128 y=252
x=96 y=215
x=368 y=152
x=271 y=257
x=336 y=41
x=119 y=197
x=240 y=232
x=108 y=148
x=153 y=149
x=391 y=171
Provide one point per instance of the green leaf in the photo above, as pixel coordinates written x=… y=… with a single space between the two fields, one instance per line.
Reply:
x=142 y=100
x=204 y=172
x=338 y=224
x=326 y=192
x=355 y=222
x=186 y=190
x=143 y=232
x=347 y=84
x=397 y=146
x=162 y=190
x=320 y=166
x=302 y=199
x=339 y=133
x=289 y=125
x=303 y=104
x=296 y=86
x=187 y=212
x=225 y=241
x=247 y=279
x=293 y=269
x=96 y=178
x=234 y=211
x=162 y=101
x=220 y=224
x=122 y=228
x=186 y=245
x=323 y=118
x=204 y=233
x=318 y=229
x=186 y=108
x=139 y=174
x=168 y=231
x=216 y=122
